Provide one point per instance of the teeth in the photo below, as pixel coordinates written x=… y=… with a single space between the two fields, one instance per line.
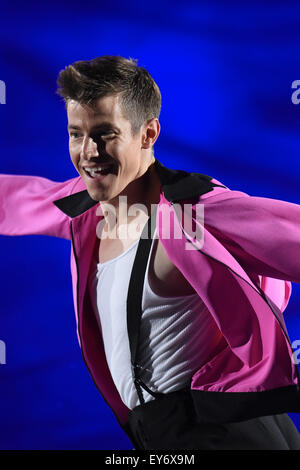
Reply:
x=93 y=171
x=99 y=168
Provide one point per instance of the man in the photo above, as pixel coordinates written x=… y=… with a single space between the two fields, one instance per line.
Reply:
x=179 y=321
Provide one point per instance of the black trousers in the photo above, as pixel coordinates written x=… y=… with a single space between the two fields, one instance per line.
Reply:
x=170 y=422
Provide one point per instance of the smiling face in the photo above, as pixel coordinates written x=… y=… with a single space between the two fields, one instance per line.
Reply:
x=103 y=150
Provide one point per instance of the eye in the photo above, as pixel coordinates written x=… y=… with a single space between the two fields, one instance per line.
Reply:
x=74 y=135
x=108 y=135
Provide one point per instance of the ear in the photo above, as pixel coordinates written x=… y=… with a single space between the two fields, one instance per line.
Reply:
x=150 y=133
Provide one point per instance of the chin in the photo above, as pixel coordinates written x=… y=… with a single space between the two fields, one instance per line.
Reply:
x=98 y=196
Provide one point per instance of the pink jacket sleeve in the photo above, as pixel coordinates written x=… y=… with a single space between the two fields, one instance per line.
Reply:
x=26 y=206
x=262 y=234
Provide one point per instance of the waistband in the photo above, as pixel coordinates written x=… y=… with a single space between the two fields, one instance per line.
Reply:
x=170 y=422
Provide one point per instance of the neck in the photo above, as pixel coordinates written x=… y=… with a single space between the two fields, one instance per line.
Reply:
x=135 y=204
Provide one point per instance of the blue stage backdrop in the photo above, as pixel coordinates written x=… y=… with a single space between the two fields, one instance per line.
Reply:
x=225 y=71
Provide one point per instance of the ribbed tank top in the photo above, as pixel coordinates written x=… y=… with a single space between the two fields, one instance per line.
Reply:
x=177 y=335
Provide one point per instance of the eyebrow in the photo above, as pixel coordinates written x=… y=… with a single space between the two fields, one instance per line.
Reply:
x=103 y=125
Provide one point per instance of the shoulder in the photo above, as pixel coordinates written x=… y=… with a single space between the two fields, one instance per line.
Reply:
x=218 y=191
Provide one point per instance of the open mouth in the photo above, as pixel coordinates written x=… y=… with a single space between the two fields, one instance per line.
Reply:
x=99 y=171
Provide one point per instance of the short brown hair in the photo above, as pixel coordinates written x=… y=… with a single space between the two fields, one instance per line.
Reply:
x=87 y=80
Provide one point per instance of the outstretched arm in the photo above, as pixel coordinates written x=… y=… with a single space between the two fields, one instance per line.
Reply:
x=262 y=234
x=26 y=206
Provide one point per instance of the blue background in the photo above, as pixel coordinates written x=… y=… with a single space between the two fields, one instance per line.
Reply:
x=225 y=71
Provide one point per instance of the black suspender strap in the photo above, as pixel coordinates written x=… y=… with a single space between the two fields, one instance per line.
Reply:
x=134 y=301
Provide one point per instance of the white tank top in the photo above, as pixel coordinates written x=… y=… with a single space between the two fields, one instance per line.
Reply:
x=174 y=335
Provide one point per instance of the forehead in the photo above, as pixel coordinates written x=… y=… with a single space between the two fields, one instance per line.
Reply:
x=104 y=109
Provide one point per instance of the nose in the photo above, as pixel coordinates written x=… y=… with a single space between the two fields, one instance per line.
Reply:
x=89 y=149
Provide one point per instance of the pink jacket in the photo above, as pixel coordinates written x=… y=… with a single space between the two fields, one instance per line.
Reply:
x=242 y=271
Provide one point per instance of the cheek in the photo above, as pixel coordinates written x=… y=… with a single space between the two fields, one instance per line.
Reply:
x=74 y=157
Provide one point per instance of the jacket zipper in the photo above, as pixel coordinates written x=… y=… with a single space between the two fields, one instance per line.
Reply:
x=261 y=293
x=79 y=332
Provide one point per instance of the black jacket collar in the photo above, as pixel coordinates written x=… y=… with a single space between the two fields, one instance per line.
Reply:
x=177 y=185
